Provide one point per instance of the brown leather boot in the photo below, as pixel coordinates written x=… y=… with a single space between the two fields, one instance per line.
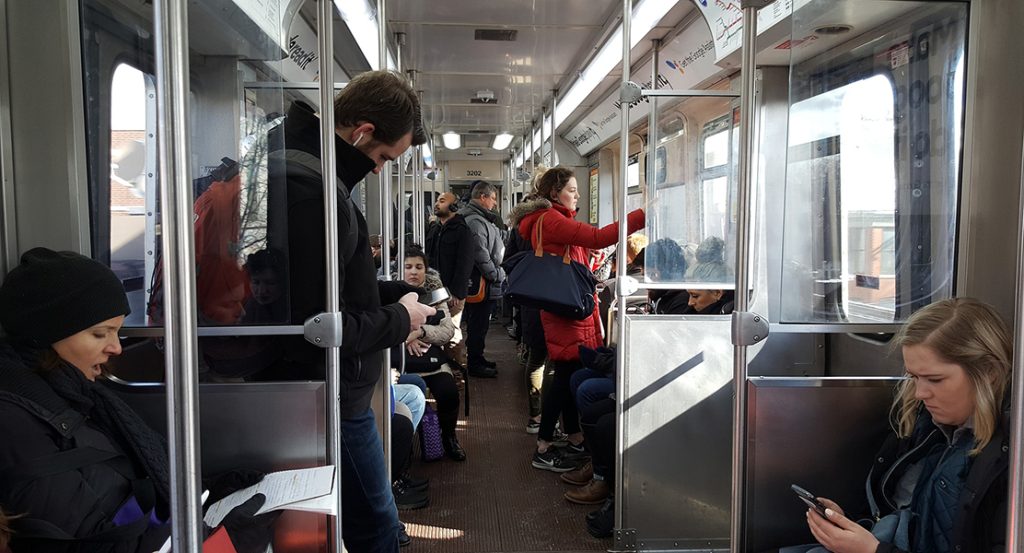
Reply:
x=593 y=493
x=580 y=476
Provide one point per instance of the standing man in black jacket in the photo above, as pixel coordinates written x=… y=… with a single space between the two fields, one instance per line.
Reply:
x=376 y=120
x=450 y=251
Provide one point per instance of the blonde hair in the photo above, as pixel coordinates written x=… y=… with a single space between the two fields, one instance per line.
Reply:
x=538 y=172
x=968 y=333
x=635 y=243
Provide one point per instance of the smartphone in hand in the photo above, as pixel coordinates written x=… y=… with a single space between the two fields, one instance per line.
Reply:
x=435 y=298
x=809 y=498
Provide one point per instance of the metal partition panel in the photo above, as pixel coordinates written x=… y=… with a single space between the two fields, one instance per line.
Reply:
x=267 y=427
x=818 y=433
x=677 y=432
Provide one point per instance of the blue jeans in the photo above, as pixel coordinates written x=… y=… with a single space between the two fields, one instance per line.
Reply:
x=415 y=380
x=369 y=516
x=413 y=398
x=588 y=386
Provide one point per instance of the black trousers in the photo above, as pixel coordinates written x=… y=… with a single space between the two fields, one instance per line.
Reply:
x=477 y=317
x=598 y=423
x=446 y=394
x=557 y=400
x=401 y=445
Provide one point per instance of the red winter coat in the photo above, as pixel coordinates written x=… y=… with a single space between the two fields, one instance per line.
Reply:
x=563 y=336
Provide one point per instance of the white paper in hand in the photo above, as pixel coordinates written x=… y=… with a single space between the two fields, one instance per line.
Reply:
x=280 y=488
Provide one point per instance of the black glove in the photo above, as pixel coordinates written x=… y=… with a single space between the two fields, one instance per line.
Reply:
x=225 y=484
x=391 y=291
x=250 y=533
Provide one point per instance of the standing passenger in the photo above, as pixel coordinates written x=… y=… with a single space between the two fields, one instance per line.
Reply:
x=564 y=336
x=485 y=279
x=375 y=119
x=450 y=250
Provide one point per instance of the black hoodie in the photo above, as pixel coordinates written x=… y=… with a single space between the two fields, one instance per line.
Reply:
x=369 y=324
x=451 y=253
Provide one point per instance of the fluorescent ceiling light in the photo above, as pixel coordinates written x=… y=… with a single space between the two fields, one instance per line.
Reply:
x=452 y=140
x=362 y=23
x=646 y=15
x=501 y=141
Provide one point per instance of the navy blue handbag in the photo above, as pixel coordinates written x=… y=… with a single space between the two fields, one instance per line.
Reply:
x=551 y=282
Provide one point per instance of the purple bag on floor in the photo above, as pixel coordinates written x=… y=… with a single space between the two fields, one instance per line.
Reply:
x=431 y=448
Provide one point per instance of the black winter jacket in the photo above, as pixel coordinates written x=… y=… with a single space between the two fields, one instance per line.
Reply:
x=372 y=321
x=980 y=522
x=450 y=251
x=79 y=502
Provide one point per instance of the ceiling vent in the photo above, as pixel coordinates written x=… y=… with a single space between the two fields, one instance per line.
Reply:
x=484 y=97
x=478 y=131
x=474 y=153
x=505 y=35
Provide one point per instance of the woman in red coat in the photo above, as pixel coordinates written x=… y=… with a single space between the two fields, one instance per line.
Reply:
x=564 y=336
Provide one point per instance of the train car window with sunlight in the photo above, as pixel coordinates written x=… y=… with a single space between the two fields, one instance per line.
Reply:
x=131 y=174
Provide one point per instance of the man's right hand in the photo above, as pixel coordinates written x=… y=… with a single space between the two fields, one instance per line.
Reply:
x=418 y=312
x=455 y=305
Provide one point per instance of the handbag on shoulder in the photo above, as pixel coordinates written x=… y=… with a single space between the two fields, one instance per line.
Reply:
x=555 y=283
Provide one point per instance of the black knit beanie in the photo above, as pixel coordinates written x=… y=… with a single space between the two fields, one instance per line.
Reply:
x=53 y=295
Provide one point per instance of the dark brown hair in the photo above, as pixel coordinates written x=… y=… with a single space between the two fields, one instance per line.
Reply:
x=553 y=181
x=5 y=529
x=383 y=98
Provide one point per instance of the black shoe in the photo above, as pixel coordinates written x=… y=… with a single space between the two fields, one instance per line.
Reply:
x=483 y=372
x=412 y=483
x=601 y=523
x=551 y=460
x=490 y=364
x=409 y=499
x=572 y=453
x=403 y=537
x=453 y=448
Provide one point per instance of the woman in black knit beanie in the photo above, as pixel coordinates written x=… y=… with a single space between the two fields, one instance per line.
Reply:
x=80 y=470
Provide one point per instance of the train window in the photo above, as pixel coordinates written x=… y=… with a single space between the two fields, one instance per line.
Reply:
x=690 y=223
x=873 y=170
x=132 y=100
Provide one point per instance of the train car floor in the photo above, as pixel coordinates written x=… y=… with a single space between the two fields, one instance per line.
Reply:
x=496 y=501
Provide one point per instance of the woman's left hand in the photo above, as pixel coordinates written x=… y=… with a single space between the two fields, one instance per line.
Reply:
x=417 y=347
x=840 y=534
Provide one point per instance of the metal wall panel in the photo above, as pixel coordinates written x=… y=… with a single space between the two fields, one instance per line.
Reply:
x=820 y=434
x=678 y=413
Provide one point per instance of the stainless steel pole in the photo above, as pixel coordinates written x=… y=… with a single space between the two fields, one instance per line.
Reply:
x=385 y=252
x=178 y=243
x=1015 y=524
x=554 y=106
x=328 y=168
x=621 y=269
x=748 y=106
x=652 y=121
x=544 y=139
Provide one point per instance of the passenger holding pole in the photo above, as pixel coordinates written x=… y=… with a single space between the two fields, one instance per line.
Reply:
x=940 y=483
x=558 y=231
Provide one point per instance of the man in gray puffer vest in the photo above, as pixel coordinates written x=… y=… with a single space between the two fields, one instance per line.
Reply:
x=486 y=276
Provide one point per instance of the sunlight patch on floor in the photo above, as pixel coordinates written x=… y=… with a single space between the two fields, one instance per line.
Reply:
x=427 y=532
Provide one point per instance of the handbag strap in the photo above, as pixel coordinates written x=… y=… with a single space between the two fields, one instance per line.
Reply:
x=538 y=249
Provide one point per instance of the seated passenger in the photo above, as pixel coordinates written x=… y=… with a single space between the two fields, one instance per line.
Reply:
x=267 y=270
x=940 y=483
x=82 y=471
x=425 y=355
x=666 y=263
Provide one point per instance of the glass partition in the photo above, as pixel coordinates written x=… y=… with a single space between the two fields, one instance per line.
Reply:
x=691 y=194
x=873 y=160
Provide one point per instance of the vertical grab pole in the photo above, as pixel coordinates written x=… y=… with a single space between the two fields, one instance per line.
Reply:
x=1015 y=526
x=386 y=231
x=554 y=106
x=620 y=266
x=177 y=240
x=652 y=120
x=748 y=106
x=328 y=167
